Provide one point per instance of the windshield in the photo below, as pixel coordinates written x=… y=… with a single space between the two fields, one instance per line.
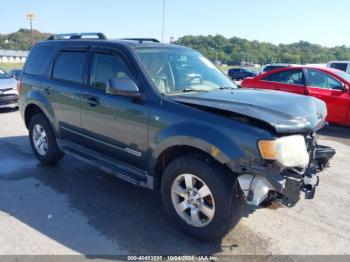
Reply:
x=4 y=75
x=174 y=70
x=344 y=75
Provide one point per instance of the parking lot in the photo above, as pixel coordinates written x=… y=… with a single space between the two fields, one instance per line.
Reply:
x=73 y=208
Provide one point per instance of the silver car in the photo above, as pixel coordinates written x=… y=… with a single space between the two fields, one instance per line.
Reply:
x=8 y=90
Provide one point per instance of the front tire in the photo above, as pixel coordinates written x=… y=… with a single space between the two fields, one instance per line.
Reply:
x=43 y=140
x=201 y=197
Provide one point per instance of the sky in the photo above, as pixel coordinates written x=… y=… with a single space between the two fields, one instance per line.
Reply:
x=324 y=22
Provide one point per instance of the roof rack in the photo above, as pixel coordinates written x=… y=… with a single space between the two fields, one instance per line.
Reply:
x=142 y=40
x=72 y=36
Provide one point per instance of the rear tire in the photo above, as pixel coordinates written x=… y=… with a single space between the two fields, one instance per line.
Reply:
x=43 y=140
x=226 y=198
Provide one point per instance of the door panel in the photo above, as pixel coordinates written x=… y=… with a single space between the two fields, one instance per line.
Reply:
x=65 y=87
x=296 y=89
x=66 y=98
x=337 y=103
x=114 y=125
x=292 y=80
x=329 y=89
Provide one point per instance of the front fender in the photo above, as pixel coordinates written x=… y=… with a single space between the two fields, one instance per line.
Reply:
x=199 y=136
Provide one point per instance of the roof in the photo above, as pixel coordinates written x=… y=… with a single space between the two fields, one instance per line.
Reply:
x=100 y=39
x=14 y=53
x=330 y=62
x=280 y=64
x=109 y=42
x=322 y=68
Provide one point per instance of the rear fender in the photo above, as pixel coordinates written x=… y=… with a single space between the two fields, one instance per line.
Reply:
x=35 y=97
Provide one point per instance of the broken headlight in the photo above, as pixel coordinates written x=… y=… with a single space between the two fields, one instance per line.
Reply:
x=288 y=151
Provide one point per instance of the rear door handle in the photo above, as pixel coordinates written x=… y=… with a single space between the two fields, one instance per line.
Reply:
x=92 y=101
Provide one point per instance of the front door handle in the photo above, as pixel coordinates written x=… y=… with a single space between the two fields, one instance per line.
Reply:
x=48 y=89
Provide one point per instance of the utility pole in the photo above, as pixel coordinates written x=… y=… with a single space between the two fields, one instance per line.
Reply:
x=163 y=21
x=31 y=17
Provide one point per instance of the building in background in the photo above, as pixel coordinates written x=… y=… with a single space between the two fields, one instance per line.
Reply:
x=13 y=56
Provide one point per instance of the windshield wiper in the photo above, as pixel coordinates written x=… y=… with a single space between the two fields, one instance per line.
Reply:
x=226 y=87
x=193 y=90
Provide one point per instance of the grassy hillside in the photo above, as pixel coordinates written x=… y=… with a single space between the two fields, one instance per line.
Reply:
x=20 y=40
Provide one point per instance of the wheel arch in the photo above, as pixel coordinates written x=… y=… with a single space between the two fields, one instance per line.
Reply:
x=30 y=110
x=38 y=103
x=179 y=146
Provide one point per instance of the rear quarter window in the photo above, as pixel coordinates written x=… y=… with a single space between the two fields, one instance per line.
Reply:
x=38 y=60
x=69 y=66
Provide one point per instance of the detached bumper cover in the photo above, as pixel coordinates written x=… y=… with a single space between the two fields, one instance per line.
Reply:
x=286 y=185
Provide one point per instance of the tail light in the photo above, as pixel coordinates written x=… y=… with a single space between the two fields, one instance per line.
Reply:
x=19 y=87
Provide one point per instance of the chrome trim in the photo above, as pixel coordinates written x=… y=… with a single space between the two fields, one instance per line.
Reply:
x=133 y=152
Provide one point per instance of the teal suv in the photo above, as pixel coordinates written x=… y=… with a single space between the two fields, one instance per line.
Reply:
x=164 y=117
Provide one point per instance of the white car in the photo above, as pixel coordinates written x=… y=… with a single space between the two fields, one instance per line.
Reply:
x=8 y=90
x=340 y=65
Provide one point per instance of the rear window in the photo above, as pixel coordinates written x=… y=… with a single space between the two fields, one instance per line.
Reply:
x=38 y=60
x=340 y=66
x=69 y=66
x=291 y=77
x=270 y=68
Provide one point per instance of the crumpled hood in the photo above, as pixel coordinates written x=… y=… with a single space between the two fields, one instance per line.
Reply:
x=285 y=112
x=7 y=83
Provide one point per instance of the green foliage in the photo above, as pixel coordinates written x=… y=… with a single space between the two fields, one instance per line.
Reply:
x=21 y=40
x=234 y=50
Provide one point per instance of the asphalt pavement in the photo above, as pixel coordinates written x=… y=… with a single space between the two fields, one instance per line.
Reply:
x=73 y=208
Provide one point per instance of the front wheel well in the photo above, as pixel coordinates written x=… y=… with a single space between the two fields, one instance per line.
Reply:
x=177 y=151
x=30 y=111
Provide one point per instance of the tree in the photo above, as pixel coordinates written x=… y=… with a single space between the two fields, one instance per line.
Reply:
x=234 y=50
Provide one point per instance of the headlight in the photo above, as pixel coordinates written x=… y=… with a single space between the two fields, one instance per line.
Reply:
x=289 y=151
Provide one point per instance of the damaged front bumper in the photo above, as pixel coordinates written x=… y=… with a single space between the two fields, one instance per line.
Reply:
x=271 y=182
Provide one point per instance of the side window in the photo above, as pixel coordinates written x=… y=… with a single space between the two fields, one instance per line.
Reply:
x=272 y=78
x=38 y=60
x=69 y=66
x=340 y=66
x=106 y=67
x=291 y=77
x=322 y=80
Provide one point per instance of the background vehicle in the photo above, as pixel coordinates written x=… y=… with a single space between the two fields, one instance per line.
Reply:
x=329 y=85
x=241 y=73
x=340 y=65
x=15 y=73
x=270 y=67
x=165 y=118
x=8 y=90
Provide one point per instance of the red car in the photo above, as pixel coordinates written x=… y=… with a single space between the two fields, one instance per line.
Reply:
x=330 y=85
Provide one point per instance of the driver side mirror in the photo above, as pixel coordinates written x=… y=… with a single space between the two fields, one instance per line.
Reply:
x=122 y=87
